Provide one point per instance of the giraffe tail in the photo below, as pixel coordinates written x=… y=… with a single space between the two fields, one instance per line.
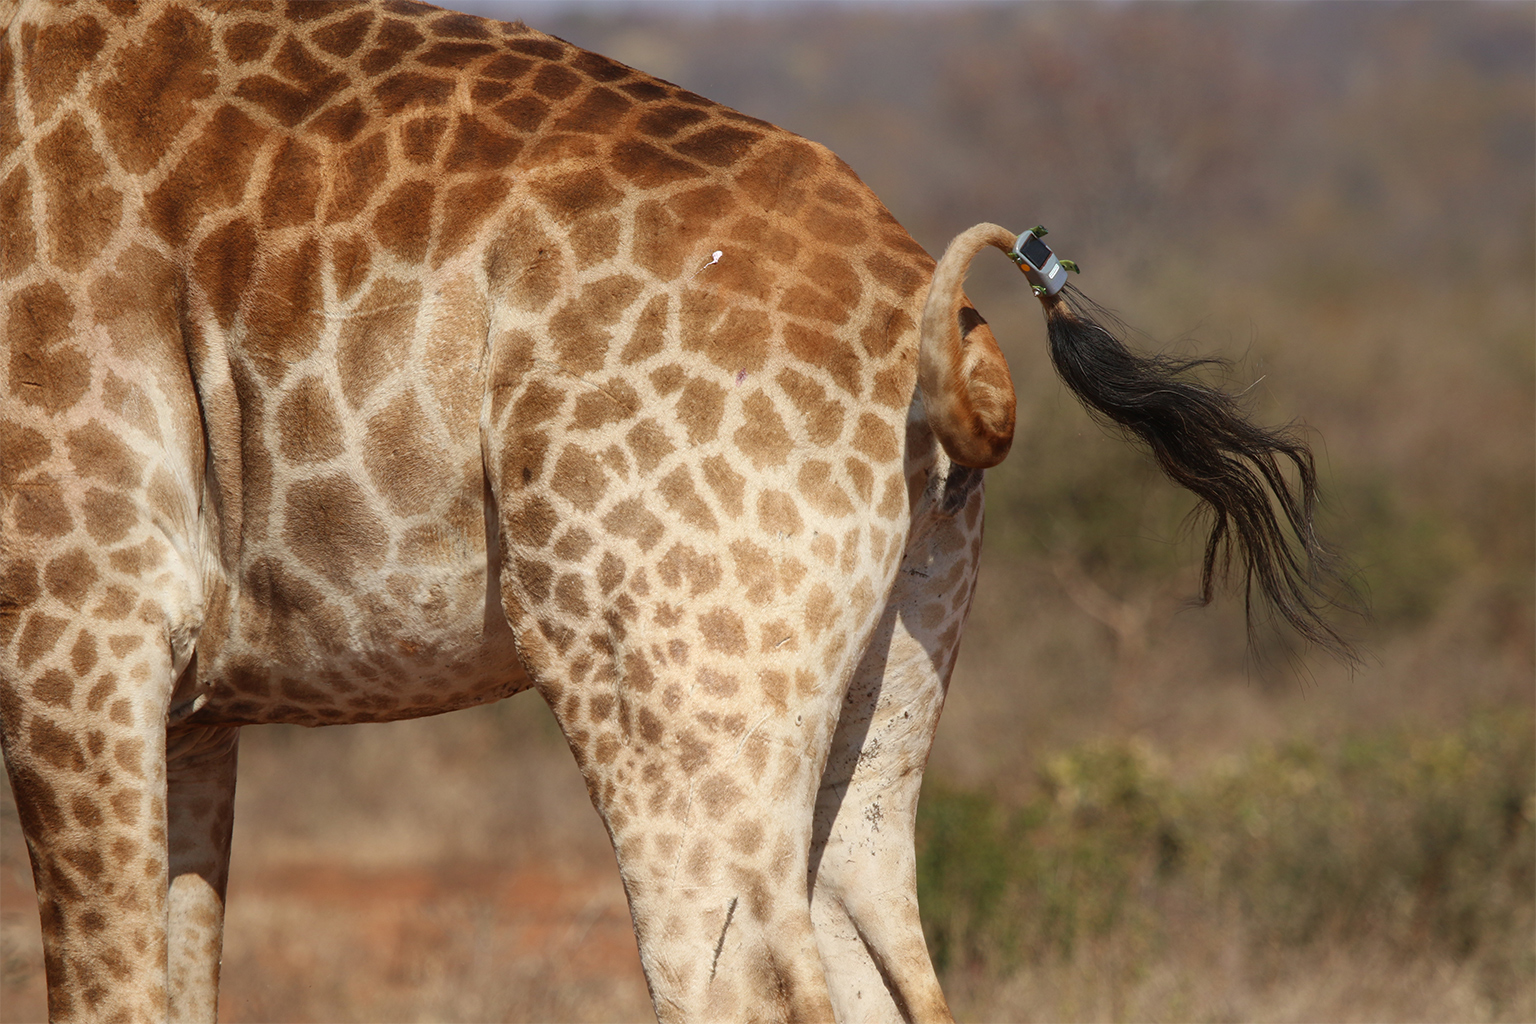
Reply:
x=964 y=377
x=1198 y=435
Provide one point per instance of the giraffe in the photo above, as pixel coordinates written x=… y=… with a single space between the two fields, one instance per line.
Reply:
x=371 y=361
x=367 y=361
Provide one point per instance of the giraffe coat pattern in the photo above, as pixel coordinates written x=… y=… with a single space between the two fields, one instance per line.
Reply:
x=364 y=362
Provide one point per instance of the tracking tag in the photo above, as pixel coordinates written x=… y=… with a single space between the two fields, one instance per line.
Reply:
x=1038 y=262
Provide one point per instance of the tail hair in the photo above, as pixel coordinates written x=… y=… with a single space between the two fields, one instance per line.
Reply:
x=1202 y=440
x=1198 y=435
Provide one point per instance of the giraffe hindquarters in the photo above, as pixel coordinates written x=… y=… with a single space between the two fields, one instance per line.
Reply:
x=200 y=798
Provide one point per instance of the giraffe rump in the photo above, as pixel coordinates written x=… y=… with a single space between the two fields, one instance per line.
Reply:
x=1203 y=442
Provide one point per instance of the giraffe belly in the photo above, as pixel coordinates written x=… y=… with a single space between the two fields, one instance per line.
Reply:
x=277 y=651
x=381 y=684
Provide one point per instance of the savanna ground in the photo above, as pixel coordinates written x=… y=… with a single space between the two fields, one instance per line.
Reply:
x=1131 y=812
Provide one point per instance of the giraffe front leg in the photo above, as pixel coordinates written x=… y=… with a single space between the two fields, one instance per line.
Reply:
x=83 y=723
x=200 y=775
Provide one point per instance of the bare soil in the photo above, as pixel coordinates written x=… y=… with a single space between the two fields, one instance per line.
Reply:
x=332 y=941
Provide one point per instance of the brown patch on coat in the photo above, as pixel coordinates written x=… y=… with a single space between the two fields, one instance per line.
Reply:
x=579 y=477
x=823 y=416
x=343 y=38
x=763 y=438
x=699 y=408
x=21 y=448
x=650 y=167
x=286 y=310
x=43 y=371
x=156 y=87
x=58 y=55
x=479 y=147
x=404 y=461
x=97 y=452
x=245 y=41
x=223 y=267
x=683 y=498
x=377 y=337
x=38 y=638
x=465 y=208
x=718 y=145
x=754 y=571
x=70 y=577
x=395 y=40
x=611 y=401
x=309 y=428
x=359 y=171
x=599 y=112
x=570 y=194
x=18 y=246
x=412 y=89
x=38 y=509
x=292 y=193
x=578 y=327
x=777 y=513
x=830 y=353
x=631 y=519
x=351 y=257
x=403 y=223
x=455 y=54
x=83 y=210
x=728 y=485
x=108 y=515
x=330 y=526
x=875 y=438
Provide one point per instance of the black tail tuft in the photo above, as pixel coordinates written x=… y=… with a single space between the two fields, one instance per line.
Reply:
x=1201 y=439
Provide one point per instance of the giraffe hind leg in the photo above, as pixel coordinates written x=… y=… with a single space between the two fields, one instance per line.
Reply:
x=708 y=808
x=711 y=830
x=864 y=866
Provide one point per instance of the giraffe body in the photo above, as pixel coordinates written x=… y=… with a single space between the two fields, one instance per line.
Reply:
x=368 y=362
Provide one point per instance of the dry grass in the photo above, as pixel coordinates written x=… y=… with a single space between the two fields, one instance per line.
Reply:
x=1209 y=977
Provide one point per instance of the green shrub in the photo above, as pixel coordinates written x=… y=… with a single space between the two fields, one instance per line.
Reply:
x=1422 y=842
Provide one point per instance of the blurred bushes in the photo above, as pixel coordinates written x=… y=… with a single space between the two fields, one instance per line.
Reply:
x=1421 y=843
x=1091 y=494
x=1408 y=556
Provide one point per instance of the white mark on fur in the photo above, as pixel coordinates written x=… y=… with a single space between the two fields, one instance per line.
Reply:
x=714 y=258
